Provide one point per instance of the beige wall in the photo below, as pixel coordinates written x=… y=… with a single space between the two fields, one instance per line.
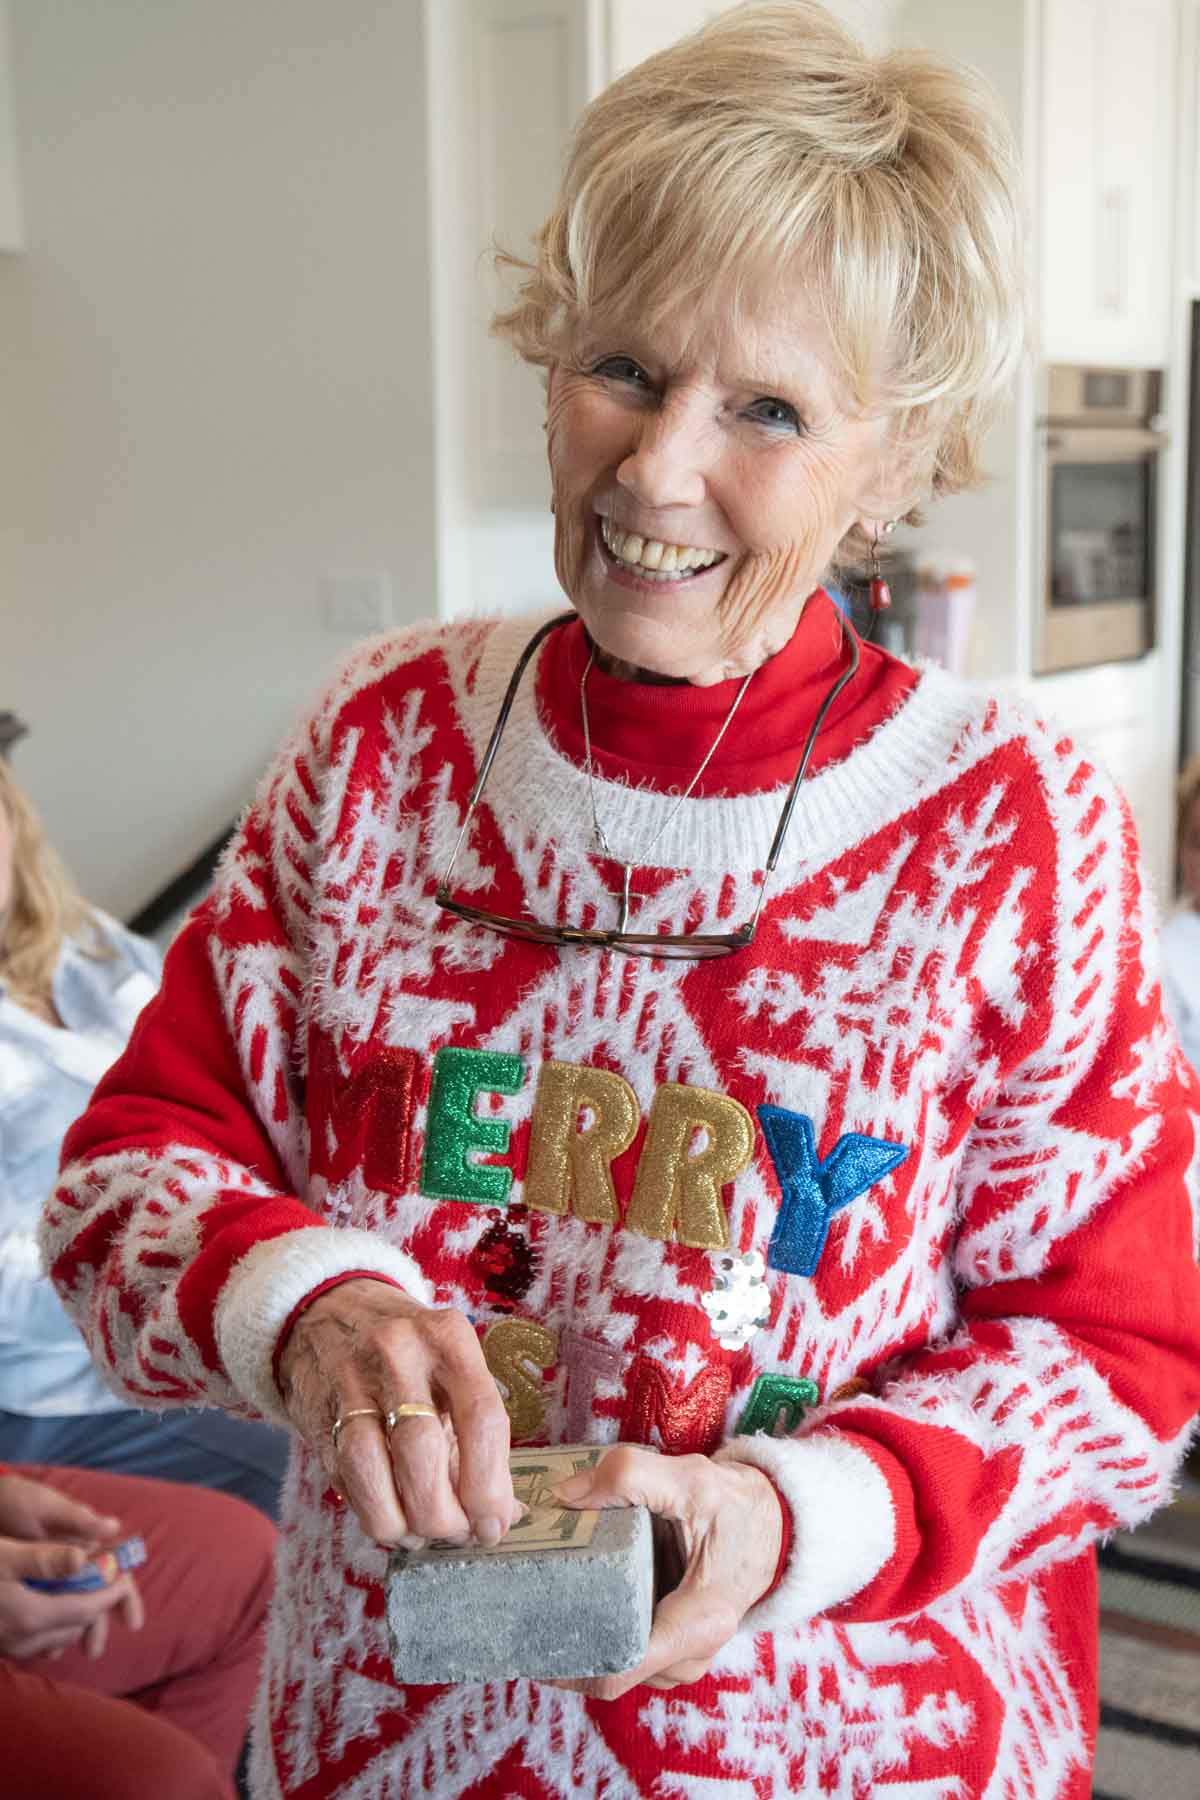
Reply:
x=10 y=199
x=215 y=386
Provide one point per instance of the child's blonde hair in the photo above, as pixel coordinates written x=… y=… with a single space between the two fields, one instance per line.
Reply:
x=45 y=908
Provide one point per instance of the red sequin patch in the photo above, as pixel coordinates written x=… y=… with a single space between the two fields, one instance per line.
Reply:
x=503 y=1261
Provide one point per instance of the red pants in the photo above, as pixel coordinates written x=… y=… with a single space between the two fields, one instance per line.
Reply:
x=163 y=1712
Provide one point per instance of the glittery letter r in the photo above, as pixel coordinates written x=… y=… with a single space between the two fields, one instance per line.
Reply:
x=677 y=1192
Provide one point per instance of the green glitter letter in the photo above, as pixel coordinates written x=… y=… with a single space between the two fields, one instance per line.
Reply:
x=454 y=1128
x=773 y=1394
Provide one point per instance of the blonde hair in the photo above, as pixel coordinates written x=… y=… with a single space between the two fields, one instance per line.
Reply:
x=45 y=908
x=888 y=184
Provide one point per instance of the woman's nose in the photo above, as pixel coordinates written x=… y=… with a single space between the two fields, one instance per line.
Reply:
x=666 y=465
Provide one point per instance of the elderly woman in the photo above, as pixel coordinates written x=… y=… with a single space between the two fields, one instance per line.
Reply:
x=694 y=1024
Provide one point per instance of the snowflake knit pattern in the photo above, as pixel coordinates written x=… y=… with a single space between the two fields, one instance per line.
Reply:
x=897 y=1205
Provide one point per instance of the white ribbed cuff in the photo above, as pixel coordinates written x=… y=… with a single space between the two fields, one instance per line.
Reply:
x=270 y=1282
x=842 y=1519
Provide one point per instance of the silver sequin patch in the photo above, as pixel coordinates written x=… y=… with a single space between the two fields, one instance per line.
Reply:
x=739 y=1304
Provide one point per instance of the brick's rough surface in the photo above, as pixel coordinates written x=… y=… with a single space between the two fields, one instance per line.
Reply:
x=569 y=1594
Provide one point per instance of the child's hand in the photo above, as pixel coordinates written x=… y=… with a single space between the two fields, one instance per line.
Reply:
x=48 y=1536
x=31 y=1509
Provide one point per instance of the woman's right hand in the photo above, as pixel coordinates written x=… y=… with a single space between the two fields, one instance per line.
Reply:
x=365 y=1344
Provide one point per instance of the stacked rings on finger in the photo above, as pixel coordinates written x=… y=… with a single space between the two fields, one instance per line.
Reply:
x=408 y=1409
x=356 y=1412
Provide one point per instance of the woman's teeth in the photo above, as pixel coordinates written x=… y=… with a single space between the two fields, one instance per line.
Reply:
x=658 y=561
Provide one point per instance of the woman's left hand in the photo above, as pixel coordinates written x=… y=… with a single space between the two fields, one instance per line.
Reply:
x=730 y=1527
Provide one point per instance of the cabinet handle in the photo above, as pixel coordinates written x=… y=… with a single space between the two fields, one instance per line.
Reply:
x=1113 y=211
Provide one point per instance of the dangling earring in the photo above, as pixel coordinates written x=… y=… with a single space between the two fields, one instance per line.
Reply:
x=880 y=592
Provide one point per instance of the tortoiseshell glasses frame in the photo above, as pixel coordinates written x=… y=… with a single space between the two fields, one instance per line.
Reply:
x=683 y=946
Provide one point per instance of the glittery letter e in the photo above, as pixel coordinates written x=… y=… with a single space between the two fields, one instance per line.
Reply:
x=454 y=1128
x=677 y=1194
x=568 y=1167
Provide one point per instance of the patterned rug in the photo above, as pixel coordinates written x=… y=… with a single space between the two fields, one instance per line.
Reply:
x=1149 y=1742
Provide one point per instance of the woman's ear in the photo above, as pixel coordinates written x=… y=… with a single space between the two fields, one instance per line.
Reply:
x=891 y=499
x=902 y=478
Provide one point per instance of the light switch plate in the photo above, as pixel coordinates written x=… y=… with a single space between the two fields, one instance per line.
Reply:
x=356 y=603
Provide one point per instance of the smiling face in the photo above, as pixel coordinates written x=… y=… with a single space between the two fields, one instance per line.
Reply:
x=703 y=478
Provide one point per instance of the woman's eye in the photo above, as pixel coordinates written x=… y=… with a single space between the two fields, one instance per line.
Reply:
x=622 y=368
x=778 y=413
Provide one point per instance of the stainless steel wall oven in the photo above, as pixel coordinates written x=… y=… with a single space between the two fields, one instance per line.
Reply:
x=1100 y=439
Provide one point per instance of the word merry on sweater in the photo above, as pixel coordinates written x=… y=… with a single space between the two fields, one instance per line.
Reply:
x=697 y=1141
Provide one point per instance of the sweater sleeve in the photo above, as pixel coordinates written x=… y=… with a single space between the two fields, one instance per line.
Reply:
x=180 y=1234
x=1059 y=1407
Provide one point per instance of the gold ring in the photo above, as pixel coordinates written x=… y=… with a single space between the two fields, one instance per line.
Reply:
x=409 y=1409
x=356 y=1412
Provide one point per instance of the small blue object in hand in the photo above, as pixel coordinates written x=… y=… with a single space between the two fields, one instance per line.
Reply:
x=99 y=1573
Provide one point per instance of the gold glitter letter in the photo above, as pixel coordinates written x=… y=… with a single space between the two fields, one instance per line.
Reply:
x=509 y=1347
x=569 y=1168
x=677 y=1194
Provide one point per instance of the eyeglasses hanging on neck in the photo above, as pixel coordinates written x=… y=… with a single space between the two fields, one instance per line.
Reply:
x=690 y=946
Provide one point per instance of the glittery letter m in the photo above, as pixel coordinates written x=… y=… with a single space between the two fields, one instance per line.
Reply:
x=812 y=1190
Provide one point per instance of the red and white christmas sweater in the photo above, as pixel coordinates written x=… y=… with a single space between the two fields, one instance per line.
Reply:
x=896 y=1204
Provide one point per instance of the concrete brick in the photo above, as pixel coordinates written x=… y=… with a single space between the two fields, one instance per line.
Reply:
x=566 y=1594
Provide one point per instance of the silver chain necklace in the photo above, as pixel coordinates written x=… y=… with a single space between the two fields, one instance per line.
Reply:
x=630 y=863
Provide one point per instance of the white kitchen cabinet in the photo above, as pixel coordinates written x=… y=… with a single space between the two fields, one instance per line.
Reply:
x=635 y=29
x=1107 y=711
x=1188 y=202
x=1106 y=180
x=507 y=78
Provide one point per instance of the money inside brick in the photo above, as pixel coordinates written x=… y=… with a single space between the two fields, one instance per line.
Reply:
x=546 y=1525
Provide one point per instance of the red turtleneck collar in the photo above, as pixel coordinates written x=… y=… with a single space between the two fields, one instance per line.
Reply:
x=660 y=734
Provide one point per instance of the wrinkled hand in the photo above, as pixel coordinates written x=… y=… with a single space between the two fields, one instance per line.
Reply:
x=48 y=1536
x=728 y=1521
x=366 y=1344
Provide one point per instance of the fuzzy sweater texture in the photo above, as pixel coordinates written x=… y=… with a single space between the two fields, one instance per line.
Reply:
x=897 y=1204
